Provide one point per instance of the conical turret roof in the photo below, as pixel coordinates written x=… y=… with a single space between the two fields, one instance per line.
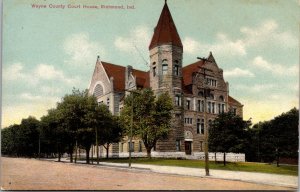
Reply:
x=165 y=32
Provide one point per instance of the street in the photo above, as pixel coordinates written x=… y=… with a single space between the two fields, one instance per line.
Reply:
x=33 y=174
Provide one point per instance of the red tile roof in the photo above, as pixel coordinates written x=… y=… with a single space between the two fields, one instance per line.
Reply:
x=142 y=78
x=165 y=31
x=231 y=100
x=187 y=72
x=118 y=73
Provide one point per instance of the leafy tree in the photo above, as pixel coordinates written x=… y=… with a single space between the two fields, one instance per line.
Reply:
x=53 y=133
x=21 y=140
x=72 y=110
x=151 y=116
x=29 y=136
x=110 y=133
x=227 y=133
x=9 y=145
x=279 y=137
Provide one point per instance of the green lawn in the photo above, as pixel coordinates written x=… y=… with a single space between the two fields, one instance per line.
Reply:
x=239 y=166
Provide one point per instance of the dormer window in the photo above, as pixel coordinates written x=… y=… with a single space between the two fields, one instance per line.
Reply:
x=164 y=67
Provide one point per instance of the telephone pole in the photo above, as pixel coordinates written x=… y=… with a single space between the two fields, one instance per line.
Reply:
x=206 y=94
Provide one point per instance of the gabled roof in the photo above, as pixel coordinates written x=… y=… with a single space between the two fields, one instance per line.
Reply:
x=142 y=78
x=233 y=101
x=165 y=32
x=211 y=57
x=187 y=72
x=118 y=73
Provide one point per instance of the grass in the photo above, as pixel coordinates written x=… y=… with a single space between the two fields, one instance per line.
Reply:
x=231 y=166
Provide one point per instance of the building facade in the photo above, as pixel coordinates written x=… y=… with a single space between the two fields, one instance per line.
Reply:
x=198 y=90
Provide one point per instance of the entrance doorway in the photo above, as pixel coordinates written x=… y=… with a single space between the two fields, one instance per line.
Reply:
x=188 y=147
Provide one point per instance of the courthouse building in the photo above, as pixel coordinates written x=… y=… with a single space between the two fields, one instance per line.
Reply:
x=186 y=84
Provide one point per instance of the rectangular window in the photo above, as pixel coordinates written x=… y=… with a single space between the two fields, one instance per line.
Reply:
x=188 y=104
x=213 y=108
x=177 y=145
x=234 y=111
x=131 y=146
x=164 y=69
x=221 y=107
x=209 y=107
x=140 y=146
x=122 y=146
x=200 y=126
x=211 y=82
x=154 y=71
x=177 y=100
x=176 y=70
x=188 y=120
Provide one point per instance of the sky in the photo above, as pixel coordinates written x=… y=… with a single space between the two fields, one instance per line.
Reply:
x=49 y=50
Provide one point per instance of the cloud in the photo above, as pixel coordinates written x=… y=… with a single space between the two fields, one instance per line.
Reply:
x=274 y=68
x=13 y=72
x=237 y=72
x=82 y=50
x=139 y=37
x=49 y=72
x=135 y=44
x=255 y=88
x=16 y=72
x=29 y=96
x=268 y=33
x=223 y=46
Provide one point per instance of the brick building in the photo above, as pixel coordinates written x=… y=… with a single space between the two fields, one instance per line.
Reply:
x=187 y=85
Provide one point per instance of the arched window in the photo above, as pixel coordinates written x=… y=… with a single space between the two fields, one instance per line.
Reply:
x=98 y=91
x=164 y=67
x=221 y=98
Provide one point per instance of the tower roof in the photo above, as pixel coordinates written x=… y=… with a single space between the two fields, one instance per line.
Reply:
x=165 y=30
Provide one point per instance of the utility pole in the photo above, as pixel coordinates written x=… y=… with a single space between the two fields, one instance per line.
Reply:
x=97 y=147
x=206 y=94
x=131 y=126
x=39 y=145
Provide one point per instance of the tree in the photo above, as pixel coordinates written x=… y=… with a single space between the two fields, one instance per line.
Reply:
x=151 y=116
x=29 y=136
x=279 y=137
x=21 y=140
x=9 y=142
x=53 y=134
x=227 y=133
x=72 y=110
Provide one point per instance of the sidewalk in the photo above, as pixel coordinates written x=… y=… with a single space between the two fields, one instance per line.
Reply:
x=261 y=178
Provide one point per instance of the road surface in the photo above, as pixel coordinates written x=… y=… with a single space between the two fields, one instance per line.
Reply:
x=33 y=174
